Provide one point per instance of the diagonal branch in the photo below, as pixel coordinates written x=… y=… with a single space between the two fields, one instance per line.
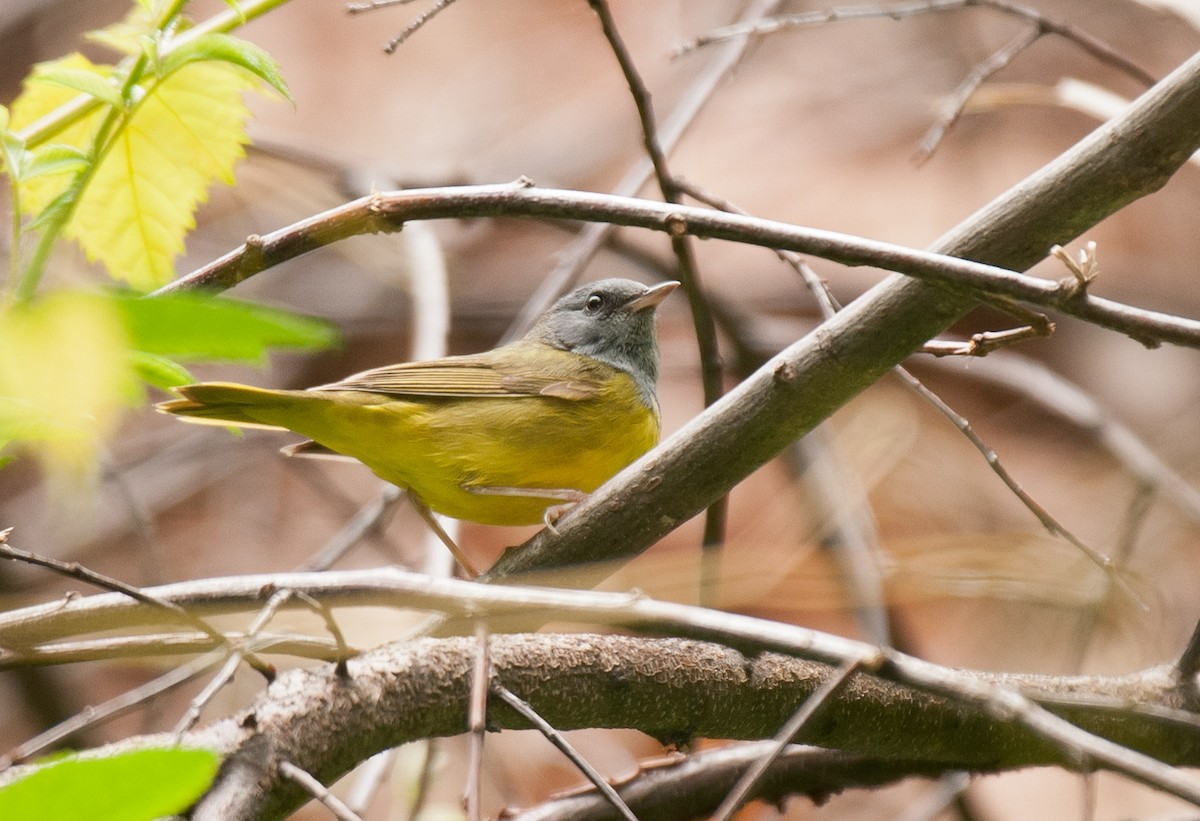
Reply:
x=1131 y=156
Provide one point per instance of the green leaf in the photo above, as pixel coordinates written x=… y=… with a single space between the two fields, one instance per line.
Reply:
x=85 y=79
x=194 y=327
x=49 y=211
x=54 y=159
x=227 y=49
x=136 y=786
x=159 y=371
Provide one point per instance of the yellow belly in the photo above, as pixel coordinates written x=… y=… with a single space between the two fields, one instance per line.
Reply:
x=441 y=449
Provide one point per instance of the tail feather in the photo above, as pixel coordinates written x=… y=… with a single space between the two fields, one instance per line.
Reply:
x=224 y=403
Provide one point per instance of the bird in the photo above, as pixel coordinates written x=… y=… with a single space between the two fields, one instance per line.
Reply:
x=512 y=436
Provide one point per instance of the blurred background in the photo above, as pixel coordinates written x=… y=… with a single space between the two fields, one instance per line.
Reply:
x=817 y=127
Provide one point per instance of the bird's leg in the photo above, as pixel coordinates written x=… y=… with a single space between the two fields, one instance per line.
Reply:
x=427 y=514
x=568 y=496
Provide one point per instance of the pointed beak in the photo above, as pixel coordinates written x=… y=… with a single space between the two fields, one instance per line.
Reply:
x=652 y=297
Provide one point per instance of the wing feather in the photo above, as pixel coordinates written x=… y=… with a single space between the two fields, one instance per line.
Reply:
x=520 y=369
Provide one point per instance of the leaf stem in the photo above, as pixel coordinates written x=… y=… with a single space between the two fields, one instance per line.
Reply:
x=67 y=114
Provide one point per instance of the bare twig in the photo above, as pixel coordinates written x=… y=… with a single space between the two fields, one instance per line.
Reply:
x=692 y=786
x=750 y=779
x=954 y=105
x=268 y=611
x=368 y=779
x=1040 y=25
x=114 y=707
x=372 y=5
x=322 y=610
x=560 y=742
x=1049 y=521
x=388 y=211
x=318 y=791
x=1043 y=24
x=158 y=645
x=369 y=519
x=983 y=343
x=711 y=375
x=77 y=571
x=412 y=28
x=477 y=724
x=593 y=236
x=1069 y=402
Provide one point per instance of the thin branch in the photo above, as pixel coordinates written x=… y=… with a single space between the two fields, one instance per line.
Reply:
x=419 y=22
x=160 y=645
x=560 y=742
x=1057 y=395
x=369 y=519
x=477 y=724
x=388 y=211
x=748 y=783
x=691 y=786
x=1048 y=520
x=113 y=708
x=676 y=124
x=372 y=5
x=79 y=572
x=711 y=376
x=1092 y=45
x=957 y=102
x=223 y=677
x=318 y=791
x=369 y=778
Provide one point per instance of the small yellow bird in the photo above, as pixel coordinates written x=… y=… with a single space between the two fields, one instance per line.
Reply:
x=504 y=437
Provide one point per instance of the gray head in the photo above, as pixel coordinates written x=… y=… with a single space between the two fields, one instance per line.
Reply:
x=611 y=320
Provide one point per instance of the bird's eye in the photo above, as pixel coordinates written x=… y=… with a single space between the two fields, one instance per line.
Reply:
x=594 y=303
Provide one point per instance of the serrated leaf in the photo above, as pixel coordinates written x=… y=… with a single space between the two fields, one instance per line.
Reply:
x=140 y=202
x=194 y=327
x=54 y=159
x=86 y=80
x=227 y=49
x=159 y=371
x=64 y=377
x=134 y=786
x=37 y=100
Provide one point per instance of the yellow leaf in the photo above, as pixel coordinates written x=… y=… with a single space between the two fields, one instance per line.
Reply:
x=64 y=376
x=139 y=205
x=186 y=133
x=39 y=98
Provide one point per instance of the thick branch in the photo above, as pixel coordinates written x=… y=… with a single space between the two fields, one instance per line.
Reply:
x=674 y=689
x=1127 y=158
